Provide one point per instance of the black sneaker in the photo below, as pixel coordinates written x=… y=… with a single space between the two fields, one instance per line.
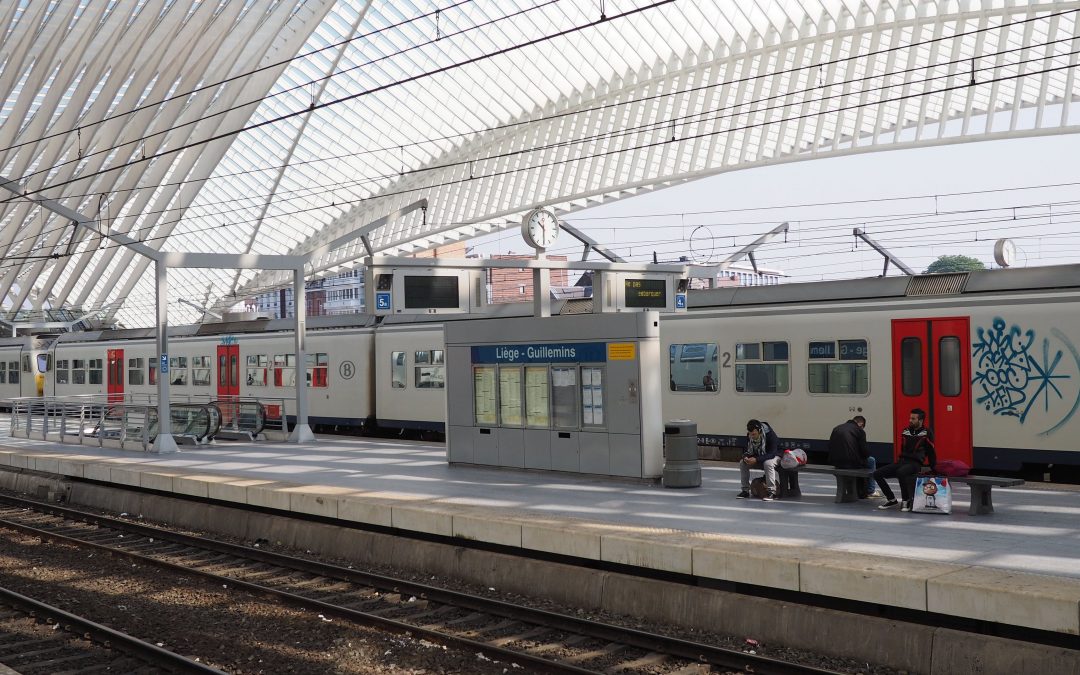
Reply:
x=889 y=504
x=770 y=496
x=745 y=494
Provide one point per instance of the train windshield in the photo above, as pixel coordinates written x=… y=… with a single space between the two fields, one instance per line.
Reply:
x=43 y=363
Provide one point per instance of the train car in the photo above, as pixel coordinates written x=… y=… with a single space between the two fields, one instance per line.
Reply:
x=24 y=367
x=991 y=356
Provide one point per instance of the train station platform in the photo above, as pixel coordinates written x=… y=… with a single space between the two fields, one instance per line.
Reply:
x=1018 y=566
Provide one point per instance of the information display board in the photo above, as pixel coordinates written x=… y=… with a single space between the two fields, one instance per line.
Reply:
x=432 y=291
x=645 y=293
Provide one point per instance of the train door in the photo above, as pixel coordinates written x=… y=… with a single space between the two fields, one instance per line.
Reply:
x=228 y=371
x=114 y=381
x=932 y=371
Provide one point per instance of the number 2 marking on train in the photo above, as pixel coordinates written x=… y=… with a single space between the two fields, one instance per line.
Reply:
x=727 y=360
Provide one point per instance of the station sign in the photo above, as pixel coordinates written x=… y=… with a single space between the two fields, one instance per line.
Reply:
x=639 y=292
x=566 y=352
x=412 y=290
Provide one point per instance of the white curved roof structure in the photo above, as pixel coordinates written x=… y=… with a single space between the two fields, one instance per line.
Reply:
x=274 y=126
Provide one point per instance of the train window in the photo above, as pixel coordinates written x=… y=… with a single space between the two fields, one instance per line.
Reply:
x=397 y=371
x=318 y=365
x=94 y=370
x=762 y=377
x=3 y=372
x=62 y=376
x=135 y=371
x=430 y=376
x=256 y=370
x=13 y=372
x=43 y=362
x=223 y=371
x=949 y=370
x=564 y=401
x=693 y=367
x=592 y=396
x=151 y=371
x=509 y=396
x=78 y=371
x=843 y=375
x=485 y=400
x=911 y=366
x=285 y=370
x=537 y=401
x=200 y=371
x=178 y=370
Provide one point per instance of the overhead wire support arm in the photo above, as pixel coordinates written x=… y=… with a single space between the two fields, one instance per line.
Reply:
x=748 y=250
x=590 y=243
x=889 y=257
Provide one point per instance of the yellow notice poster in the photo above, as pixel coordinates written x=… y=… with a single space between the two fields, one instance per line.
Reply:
x=621 y=351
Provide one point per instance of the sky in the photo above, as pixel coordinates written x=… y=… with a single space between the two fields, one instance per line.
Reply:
x=900 y=192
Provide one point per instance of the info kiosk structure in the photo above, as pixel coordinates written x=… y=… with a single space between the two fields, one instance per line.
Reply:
x=522 y=393
x=577 y=393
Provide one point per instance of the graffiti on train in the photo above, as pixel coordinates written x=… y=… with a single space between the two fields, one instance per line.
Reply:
x=1021 y=374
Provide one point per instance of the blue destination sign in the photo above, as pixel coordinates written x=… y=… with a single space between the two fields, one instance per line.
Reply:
x=582 y=352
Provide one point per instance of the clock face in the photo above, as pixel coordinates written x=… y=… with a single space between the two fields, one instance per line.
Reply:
x=541 y=228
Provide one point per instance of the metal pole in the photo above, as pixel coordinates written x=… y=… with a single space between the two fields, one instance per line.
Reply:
x=541 y=289
x=164 y=441
x=301 y=432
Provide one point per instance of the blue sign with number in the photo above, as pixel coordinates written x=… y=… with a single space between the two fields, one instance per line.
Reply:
x=164 y=364
x=680 y=301
x=382 y=301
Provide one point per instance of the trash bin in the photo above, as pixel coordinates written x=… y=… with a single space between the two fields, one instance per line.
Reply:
x=681 y=466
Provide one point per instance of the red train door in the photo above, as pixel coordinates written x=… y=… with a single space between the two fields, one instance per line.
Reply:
x=932 y=371
x=228 y=371
x=114 y=380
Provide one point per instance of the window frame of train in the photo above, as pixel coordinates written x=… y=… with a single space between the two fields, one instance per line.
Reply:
x=178 y=371
x=318 y=369
x=759 y=358
x=675 y=387
x=3 y=372
x=285 y=370
x=834 y=354
x=78 y=371
x=201 y=364
x=13 y=373
x=434 y=363
x=399 y=365
x=94 y=370
x=61 y=375
x=255 y=367
x=135 y=368
x=570 y=415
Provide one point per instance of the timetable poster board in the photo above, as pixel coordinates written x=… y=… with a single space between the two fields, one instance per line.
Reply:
x=592 y=396
x=510 y=396
x=645 y=293
x=537 y=402
x=485 y=400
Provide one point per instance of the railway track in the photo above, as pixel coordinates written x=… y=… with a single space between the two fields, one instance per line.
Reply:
x=537 y=639
x=38 y=638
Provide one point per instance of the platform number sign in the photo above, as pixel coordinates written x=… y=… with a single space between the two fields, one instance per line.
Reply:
x=680 y=301
x=164 y=364
x=382 y=301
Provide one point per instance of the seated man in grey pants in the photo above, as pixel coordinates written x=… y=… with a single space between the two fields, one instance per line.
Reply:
x=762 y=452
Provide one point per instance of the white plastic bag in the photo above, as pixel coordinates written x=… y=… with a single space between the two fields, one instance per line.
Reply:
x=792 y=459
x=933 y=494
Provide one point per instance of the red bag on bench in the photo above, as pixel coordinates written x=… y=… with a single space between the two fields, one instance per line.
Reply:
x=952 y=467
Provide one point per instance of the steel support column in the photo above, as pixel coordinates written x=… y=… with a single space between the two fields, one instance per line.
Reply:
x=301 y=432
x=164 y=442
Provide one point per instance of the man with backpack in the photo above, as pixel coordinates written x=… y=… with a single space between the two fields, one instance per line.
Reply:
x=762 y=452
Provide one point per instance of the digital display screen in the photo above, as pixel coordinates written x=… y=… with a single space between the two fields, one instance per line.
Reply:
x=432 y=292
x=646 y=293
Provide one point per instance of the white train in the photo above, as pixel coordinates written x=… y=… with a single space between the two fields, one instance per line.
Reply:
x=991 y=356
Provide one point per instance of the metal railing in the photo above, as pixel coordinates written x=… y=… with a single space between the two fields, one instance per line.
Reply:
x=100 y=417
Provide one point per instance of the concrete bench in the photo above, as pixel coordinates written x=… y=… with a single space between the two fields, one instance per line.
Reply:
x=981 y=504
x=847 y=480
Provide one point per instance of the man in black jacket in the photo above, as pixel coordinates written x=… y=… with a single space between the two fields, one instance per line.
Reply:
x=917 y=448
x=848 y=450
x=762 y=452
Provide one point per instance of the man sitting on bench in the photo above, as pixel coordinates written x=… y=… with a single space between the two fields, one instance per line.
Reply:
x=918 y=446
x=762 y=452
x=848 y=450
